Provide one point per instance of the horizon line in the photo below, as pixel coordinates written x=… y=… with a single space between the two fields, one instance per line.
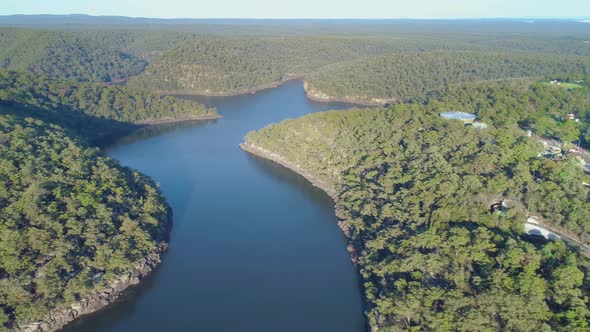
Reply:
x=569 y=18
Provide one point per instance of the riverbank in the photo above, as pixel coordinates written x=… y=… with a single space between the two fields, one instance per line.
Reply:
x=99 y=298
x=256 y=89
x=309 y=93
x=353 y=251
x=261 y=152
x=113 y=138
x=326 y=187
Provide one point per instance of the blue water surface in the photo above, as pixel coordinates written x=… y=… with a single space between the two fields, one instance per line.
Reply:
x=254 y=246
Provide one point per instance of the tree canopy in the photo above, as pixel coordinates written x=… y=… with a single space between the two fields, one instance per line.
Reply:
x=405 y=76
x=65 y=55
x=67 y=214
x=71 y=219
x=414 y=195
x=94 y=111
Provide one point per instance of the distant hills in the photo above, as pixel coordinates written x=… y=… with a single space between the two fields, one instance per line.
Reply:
x=302 y=25
x=353 y=60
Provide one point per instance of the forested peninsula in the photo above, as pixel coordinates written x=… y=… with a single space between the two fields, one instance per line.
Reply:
x=94 y=111
x=392 y=78
x=413 y=193
x=371 y=71
x=232 y=66
x=76 y=227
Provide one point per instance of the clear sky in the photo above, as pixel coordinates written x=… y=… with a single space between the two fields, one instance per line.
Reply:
x=305 y=8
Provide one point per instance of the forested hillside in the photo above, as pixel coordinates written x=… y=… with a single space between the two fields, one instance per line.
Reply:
x=370 y=70
x=540 y=43
x=71 y=220
x=67 y=55
x=403 y=76
x=225 y=66
x=143 y=44
x=539 y=107
x=368 y=63
x=92 y=110
x=414 y=192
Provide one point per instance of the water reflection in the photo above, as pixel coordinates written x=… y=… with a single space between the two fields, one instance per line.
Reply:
x=145 y=133
x=295 y=180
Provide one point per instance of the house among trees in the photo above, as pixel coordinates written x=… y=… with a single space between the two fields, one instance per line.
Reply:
x=466 y=118
x=461 y=116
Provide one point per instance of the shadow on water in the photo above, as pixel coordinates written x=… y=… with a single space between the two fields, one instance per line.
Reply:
x=145 y=133
x=313 y=193
x=295 y=180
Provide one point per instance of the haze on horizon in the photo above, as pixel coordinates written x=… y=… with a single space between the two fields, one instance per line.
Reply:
x=290 y=9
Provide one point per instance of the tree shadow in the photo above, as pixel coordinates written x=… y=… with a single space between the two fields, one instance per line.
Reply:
x=92 y=130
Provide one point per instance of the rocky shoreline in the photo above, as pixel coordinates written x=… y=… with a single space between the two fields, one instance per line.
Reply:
x=321 y=97
x=326 y=187
x=169 y=120
x=310 y=93
x=100 y=298
x=261 y=152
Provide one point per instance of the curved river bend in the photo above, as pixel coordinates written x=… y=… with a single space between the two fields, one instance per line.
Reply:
x=254 y=247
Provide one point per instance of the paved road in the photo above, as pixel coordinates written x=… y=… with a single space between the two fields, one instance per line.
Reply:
x=533 y=227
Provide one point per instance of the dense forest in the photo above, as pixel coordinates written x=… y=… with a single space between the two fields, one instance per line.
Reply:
x=403 y=76
x=100 y=55
x=70 y=219
x=358 y=69
x=414 y=190
x=363 y=62
x=94 y=111
x=218 y=66
x=414 y=194
x=538 y=106
x=65 y=55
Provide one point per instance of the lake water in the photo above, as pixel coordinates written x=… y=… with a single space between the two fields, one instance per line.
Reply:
x=254 y=246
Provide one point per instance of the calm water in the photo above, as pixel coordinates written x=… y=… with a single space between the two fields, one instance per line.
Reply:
x=254 y=246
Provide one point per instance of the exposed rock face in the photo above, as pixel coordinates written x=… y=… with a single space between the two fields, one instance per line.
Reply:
x=59 y=317
x=317 y=95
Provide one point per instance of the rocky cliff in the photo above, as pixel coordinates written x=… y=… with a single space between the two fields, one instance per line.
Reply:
x=59 y=317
